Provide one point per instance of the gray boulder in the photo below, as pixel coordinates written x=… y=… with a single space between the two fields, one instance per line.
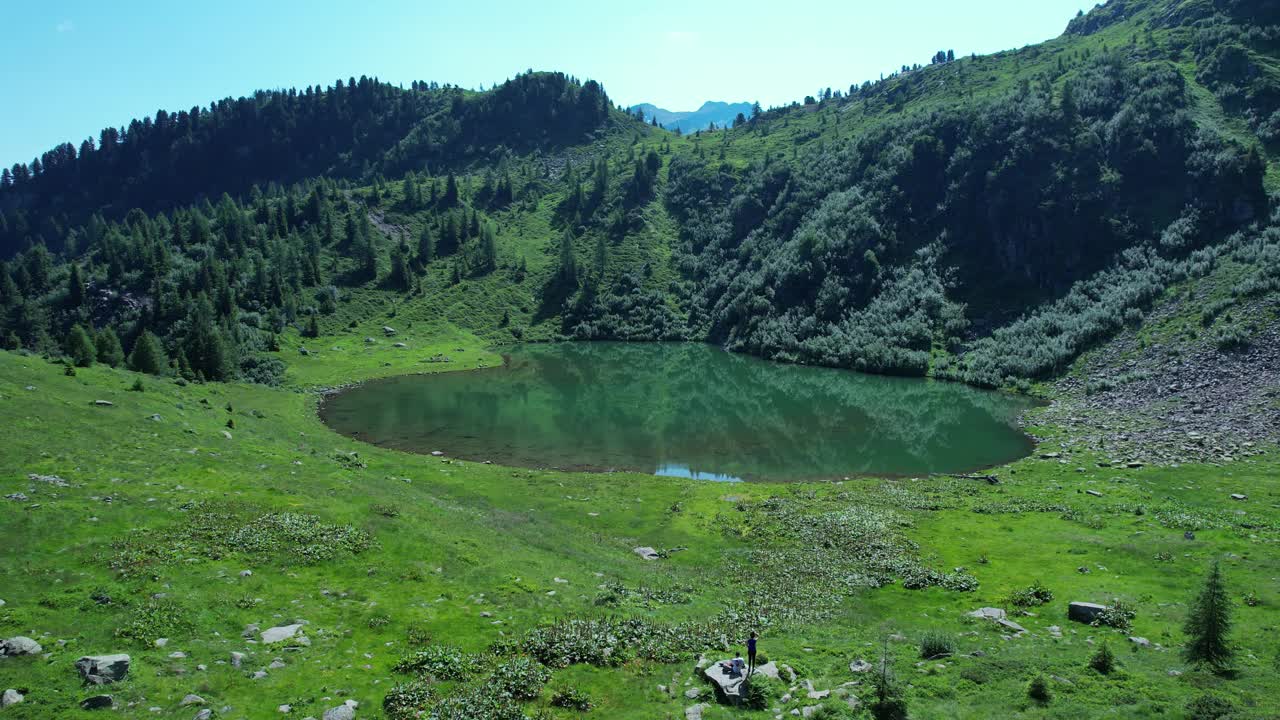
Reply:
x=205 y=714
x=103 y=669
x=10 y=697
x=346 y=711
x=1084 y=612
x=20 y=646
x=647 y=553
x=728 y=686
x=281 y=633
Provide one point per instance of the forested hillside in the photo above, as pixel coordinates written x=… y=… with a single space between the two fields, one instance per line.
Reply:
x=986 y=219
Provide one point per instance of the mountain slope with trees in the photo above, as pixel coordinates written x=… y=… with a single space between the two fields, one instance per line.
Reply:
x=987 y=219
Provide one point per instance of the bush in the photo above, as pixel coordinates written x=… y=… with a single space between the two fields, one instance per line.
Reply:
x=1104 y=661
x=571 y=698
x=443 y=662
x=1209 y=707
x=378 y=621
x=936 y=645
x=476 y=704
x=1038 y=690
x=519 y=678
x=406 y=700
x=1035 y=595
x=1119 y=615
x=155 y=618
x=758 y=692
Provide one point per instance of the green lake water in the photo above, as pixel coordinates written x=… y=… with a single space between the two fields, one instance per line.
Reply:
x=684 y=409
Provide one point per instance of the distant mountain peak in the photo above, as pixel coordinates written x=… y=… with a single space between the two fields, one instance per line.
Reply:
x=712 y=111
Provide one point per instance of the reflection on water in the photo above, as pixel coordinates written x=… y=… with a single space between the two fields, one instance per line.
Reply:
x=685 y=409
x=672 y=470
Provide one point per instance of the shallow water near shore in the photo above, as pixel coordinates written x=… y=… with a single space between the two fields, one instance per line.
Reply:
x=686 y=410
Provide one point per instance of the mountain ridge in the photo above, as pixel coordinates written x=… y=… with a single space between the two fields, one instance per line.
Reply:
x=719 y=113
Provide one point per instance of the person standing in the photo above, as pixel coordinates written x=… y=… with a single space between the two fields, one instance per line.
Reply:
x=751 y=653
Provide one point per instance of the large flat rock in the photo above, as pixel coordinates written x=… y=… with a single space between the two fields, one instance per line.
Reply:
x=1085 y=612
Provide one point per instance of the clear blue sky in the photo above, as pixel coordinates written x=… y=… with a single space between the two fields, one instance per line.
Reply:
x=73 y=67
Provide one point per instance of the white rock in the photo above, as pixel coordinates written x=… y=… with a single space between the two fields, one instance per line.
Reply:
x=281 y=633
x=191 y=700
x=236 y=659
x=10 y=697
x=647 y=553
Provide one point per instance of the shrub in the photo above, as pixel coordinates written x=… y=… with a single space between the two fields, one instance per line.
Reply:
x=1119 y=615
x=1209 y=707
x=1035 y=595
x=1104 y=661
x=378 y=621
x=1038 y=690
x=520 y=678
x=443 y=662
x=385 y=510
x=406 y=700
x=758 y=692
x=936 y=645
x=476 y=704
x=571 y=698
x=155 y=618
x=418 y=634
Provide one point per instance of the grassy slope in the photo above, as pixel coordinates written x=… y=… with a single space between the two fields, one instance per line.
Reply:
x=472 y=538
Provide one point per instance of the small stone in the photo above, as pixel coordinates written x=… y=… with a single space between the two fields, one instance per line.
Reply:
x=695 y=712
x=859 y=666
x=1238 y=496
x=276 y=664
x=1140 y=641
x=693 y=693
x=342 y=712
x=647 y=553
x=205 y=714
x=10 y=697
x=103 y=403
x=436 y=453
x=161 y=642
x=259 y=675
x=246 y=573
x=191 y=700
x=237 y=658
x=286 y=709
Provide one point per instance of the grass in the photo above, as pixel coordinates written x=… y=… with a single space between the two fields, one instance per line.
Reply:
x=471 y=554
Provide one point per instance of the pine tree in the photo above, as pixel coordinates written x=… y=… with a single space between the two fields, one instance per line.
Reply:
x=488 y=248
x=567 y=273
x=451 y=191
x=426 y=247
x=1208 y=624
x=75 y=287
x=108 y=348
x=209 y=352
x=400 y=278
x=313 y=328
x=80 y=347
x=148 y=355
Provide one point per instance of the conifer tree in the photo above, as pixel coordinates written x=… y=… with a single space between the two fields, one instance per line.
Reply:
x=80 y=347
x=313 y=328
x=1208 y=624
x=426 y=247
x=205 y=346
x=148 y=355
x=108 y=348
x=75 y=287
x=567 y=272
x=399 y=278
x=488 y=248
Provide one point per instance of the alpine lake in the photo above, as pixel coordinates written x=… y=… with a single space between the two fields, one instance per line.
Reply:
x=685 y=409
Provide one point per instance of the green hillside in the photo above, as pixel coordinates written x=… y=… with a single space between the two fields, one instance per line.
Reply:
x=1089 y=220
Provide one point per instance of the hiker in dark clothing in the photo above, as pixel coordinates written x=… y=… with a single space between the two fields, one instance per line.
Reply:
x=751 y=654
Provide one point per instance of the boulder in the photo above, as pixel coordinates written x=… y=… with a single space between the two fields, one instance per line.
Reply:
x=205 y=714
x=1084 y=612
x=1239 y=496
x=281 y=633
x=10 y=697
x=695 y=712
x=1140 y=642
x=647 y=553
x=191 y=700
x=988 y=613
x=103 y=669
x=20 y=646
x=388 y=331
x=728 y=686
x=860 y=666
x=769 y=670
x=346 y=711
x=97 y=702
x=237 y=658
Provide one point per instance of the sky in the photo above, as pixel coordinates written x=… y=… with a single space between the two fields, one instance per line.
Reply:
x=72 y=67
